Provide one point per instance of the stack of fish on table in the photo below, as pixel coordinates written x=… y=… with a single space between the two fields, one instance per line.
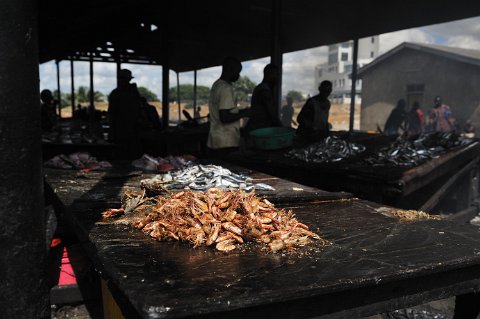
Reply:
x=201 y=177
x=224 y=219
x=79 y=160
x=163 y=164
x=410 y=153
x=331 y=149
x=209 y=205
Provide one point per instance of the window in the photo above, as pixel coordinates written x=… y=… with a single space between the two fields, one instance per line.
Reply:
x=372 y=54
x=348 y=68
x=411 y=88
x=373 y=40
x=344 y=56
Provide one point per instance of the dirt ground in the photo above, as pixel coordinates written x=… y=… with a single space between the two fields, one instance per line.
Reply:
x=339 y=113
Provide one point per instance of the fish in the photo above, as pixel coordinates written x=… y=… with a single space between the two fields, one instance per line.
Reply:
x=410 y=153
x=331 y=149
x=200 y=178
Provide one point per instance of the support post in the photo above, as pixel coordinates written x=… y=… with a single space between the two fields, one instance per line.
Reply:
x=91 y=107
x=22 y=217
x=59 y=94
x=178 y=99
x=276 y=55
x=72 y=82
x=165 y=93
x=165 y=77
x=353 y=91
x=194 y=90
x=119 y=67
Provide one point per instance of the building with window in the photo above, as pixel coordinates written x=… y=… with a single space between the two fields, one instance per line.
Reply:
x=339 y=67
x=419 y=72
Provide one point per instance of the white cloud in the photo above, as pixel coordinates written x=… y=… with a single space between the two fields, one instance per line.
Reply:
x=298 y=67
x=390 y=40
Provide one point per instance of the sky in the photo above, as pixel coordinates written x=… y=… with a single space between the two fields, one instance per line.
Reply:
x=298 y=67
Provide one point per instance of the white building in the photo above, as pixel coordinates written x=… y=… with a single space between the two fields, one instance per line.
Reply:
x=340 y=64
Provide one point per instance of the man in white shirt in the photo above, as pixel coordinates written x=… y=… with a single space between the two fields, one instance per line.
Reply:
x=224 y=134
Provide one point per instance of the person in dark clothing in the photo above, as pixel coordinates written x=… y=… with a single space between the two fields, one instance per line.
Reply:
x=264 y=112
x=48 y=110
x=395 y=119
x=286 y=113
x=124 y=111
x=313 y=118
x=150 y=117
x=415 y=119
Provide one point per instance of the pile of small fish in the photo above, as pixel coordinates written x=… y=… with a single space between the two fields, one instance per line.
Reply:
x=200 y=178
x=331 y=149
x=79 y=160
x=225 y=219
x=406 y=215
x=150 y=163
x=413 y=153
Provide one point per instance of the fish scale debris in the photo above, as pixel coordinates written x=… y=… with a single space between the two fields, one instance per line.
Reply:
x=219 y=218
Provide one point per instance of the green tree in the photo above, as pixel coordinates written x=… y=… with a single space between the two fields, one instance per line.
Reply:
x=186 y=93
x=149 y=95
x=295 y=95
x=97 y=96
x=65 y=98
x=82 y=95
x=243 y=88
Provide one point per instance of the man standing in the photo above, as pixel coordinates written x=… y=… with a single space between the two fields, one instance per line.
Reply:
x=313 y=118
x=124 y=112
x=264 y=109
x=396 y=119
x=286 y=114
x=48 y=109
x=224 y=134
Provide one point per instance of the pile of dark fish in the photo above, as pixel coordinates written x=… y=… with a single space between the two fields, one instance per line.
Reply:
x=331 y=149
x=413 y=153
x=201 y=178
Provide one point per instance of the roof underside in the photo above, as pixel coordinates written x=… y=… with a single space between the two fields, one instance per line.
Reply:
x=198 y=34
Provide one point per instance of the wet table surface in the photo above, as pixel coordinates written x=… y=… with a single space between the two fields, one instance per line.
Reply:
x=375 y=263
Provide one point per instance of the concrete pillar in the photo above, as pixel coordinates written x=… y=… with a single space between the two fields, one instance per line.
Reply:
x=24 y=291
x=277 y=55
x=165 y=94
x=353 y=91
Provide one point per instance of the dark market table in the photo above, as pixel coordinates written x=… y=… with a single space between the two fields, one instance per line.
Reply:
x=374 y=264
x=412 y=188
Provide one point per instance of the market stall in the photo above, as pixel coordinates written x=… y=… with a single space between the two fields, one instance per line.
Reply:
x=373 y=263
x=416 y=186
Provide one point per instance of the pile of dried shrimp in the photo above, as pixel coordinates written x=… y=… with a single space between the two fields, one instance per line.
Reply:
x=407 y=215
x=225 y=219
